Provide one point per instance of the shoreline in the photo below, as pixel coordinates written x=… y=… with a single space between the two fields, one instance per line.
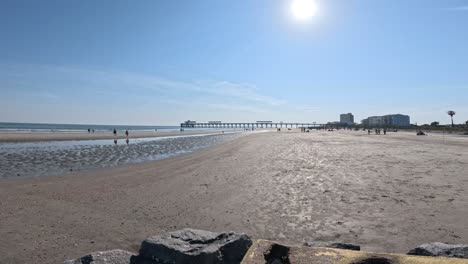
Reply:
x=9 y=137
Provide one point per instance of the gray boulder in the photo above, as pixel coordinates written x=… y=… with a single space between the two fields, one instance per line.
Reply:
x=438 y=249
x=194 y=246
x=115 y=256
x=333 y=244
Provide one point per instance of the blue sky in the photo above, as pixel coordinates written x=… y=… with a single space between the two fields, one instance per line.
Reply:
x=162 y=62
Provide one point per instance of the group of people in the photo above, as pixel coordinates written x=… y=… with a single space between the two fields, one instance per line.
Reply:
x=126 y=134
x=378 y=131
x=90 y=130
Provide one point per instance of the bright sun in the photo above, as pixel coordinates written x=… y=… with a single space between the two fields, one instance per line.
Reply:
x=303 y=9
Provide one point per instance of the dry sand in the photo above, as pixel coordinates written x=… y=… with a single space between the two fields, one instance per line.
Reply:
x=59 y=136
x=387 y=193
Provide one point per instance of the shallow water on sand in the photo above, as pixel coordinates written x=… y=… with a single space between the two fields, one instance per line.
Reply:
x=29 y=159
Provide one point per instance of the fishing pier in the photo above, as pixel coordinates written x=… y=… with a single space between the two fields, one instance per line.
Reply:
x=258 y=124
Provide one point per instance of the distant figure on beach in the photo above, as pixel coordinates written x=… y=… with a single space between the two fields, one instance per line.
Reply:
x=155 y=130
x=126 y=133
x=421 y=133
x=93 y=130
x=368 y=131
x=115 y=141
x=89 y=130
x=115 y=132
x=385 y=131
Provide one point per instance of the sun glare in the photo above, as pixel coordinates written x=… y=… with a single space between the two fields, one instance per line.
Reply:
x=303 y=9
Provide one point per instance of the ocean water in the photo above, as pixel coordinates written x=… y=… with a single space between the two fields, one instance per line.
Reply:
x=76 y=128
x=34 y=159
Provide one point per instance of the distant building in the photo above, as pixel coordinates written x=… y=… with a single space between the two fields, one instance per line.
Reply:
x=347 y=119
x=365 y=122
x=377 y=121
x=398 y=120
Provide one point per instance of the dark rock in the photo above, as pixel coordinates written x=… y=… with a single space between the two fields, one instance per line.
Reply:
x=333 y=244
x=277 y=254
x=194 y=246
x=115 y=256
x=438 y=249
x=374 y=260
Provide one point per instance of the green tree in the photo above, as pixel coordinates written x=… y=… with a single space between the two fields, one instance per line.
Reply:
x=434 y=124
x=451 y=114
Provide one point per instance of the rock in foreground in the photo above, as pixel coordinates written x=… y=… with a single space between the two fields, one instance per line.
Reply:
x=333 y=244
x=441 y=250
x=270 y=252
x=195 y=246
x=116 y=256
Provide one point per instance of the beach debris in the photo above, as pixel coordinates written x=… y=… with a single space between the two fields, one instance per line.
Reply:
x=333 y=244
x=195 y=246
x=115 y=256
x=438 y=249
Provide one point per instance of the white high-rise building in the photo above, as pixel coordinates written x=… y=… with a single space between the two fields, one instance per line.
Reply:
x=347 y=119
x=398 y=120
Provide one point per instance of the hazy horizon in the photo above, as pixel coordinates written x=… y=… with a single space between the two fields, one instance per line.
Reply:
x=163 y=62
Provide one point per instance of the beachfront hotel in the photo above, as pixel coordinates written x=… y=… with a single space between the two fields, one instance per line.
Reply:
x=398 y=120
x=347 y=119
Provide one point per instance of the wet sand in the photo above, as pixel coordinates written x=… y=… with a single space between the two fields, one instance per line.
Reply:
x=386 y=193
x=47 y=158
x=62 y=136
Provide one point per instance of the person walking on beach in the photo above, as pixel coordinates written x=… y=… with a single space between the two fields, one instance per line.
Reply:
x=115 y=132
x=126 y=133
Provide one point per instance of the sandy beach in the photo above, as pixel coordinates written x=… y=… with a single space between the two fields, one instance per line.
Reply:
x=386 y=193
x=32 y=137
